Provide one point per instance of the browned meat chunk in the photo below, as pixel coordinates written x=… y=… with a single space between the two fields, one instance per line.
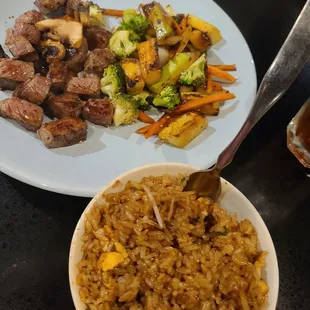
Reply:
x=28 y=31
x=58 y=74
x=30 y=17
x=72 y=7
x=77 y=57
x=2 y=53
x=63 y=132
x=99 y=111
x=12 y=72
x=22 y=49
x=34 y=90
x=98 y=60
x=97 y=37
x=84 y=86
x=49 y=6
x=65 y=105
x=25 y=113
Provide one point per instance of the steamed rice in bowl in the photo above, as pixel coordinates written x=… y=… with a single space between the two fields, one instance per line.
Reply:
x=152 y=246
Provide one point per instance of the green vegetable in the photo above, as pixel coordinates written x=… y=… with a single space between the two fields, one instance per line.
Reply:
x=134 y=22
x=144 y=100
x=123 y=42
x=113 y=80
x=95 y=14
x=195 y=74
x=125 y=110
x=168 y=97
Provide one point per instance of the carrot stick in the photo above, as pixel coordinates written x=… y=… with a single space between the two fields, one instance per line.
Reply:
x=226 y=67
x=156 y=127
x=143 y=130
x=145 y=118
x=112 y=12
x=209 y=85
x=221 y=74
x=183 y=23
x=197 y=103
x=217 y=86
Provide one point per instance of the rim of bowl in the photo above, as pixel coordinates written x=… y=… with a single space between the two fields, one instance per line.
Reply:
x=160 y=166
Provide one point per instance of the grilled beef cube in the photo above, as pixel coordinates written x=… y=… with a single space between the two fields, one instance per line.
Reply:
x=24 y=112
x=13 y=72
x=99 y=111
x=65 y=105
x=2 y=53
x=30 y=17
x=72 y=8
x=89 y=86
x=97 y=61
x=77 y=57
x=28 y=31
x=22 y=49
x=49 y=6
x=97 y=37
x=58 y=74
x=34 y=90
x=63 y=132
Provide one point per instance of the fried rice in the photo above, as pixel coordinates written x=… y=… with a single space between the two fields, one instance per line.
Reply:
x=152 y=246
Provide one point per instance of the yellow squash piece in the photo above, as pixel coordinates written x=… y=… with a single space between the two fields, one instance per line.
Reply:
x=109 y=261
x=183 y=130
x=172 y=71
x=133 y=75
x=149 y=60
x=199 y=24
x=200 y=40
x=120 y=249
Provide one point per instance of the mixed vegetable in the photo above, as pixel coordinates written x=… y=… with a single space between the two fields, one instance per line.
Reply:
x=163 y=64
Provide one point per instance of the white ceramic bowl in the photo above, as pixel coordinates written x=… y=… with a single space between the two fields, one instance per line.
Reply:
x=231 y=199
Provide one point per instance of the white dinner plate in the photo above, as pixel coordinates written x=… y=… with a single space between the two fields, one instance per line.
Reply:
x=231 y=199
x=82 y=169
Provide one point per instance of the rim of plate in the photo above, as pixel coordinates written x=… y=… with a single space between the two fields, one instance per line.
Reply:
x=89 y=192
x=145 y=171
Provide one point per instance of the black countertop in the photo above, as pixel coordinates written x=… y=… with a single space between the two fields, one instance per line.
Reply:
x=36 y=226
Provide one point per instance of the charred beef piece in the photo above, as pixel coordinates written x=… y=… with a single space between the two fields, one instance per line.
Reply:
x=89 y=86
x=30 y=17
x=58 y=74
x=99 y=111
x=65 y=105
x=28 y=31
x=25 y=113
x=2 y=53
x=98 y=60
x=49 y=6
x=63 y=132
x=34 y=90
x=22 y=49
x=72 y=8
x=77 y=57
x=13 y=72
x=97 y=37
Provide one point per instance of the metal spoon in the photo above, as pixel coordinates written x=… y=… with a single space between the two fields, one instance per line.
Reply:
x=283 y=71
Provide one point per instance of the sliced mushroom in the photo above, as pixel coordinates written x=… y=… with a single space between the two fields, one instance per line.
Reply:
x=69 y=31
x=52 y=51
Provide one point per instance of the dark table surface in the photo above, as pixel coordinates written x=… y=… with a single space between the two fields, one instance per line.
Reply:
x=36 y=226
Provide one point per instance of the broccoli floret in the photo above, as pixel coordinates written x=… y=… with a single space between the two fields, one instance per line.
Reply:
x=167 y=98
x=95 y=14
x=123 y=42
x=125 y=110
x=195 y=74
x=113 y=80
x=135 y=22
x=144 y=100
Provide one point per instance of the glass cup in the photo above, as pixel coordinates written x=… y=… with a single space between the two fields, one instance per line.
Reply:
x=298 y=135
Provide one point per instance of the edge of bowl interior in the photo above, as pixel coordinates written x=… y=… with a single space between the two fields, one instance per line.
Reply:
x=231 y=199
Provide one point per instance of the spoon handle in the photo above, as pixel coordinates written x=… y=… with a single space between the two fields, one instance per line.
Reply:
x=290 y=60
